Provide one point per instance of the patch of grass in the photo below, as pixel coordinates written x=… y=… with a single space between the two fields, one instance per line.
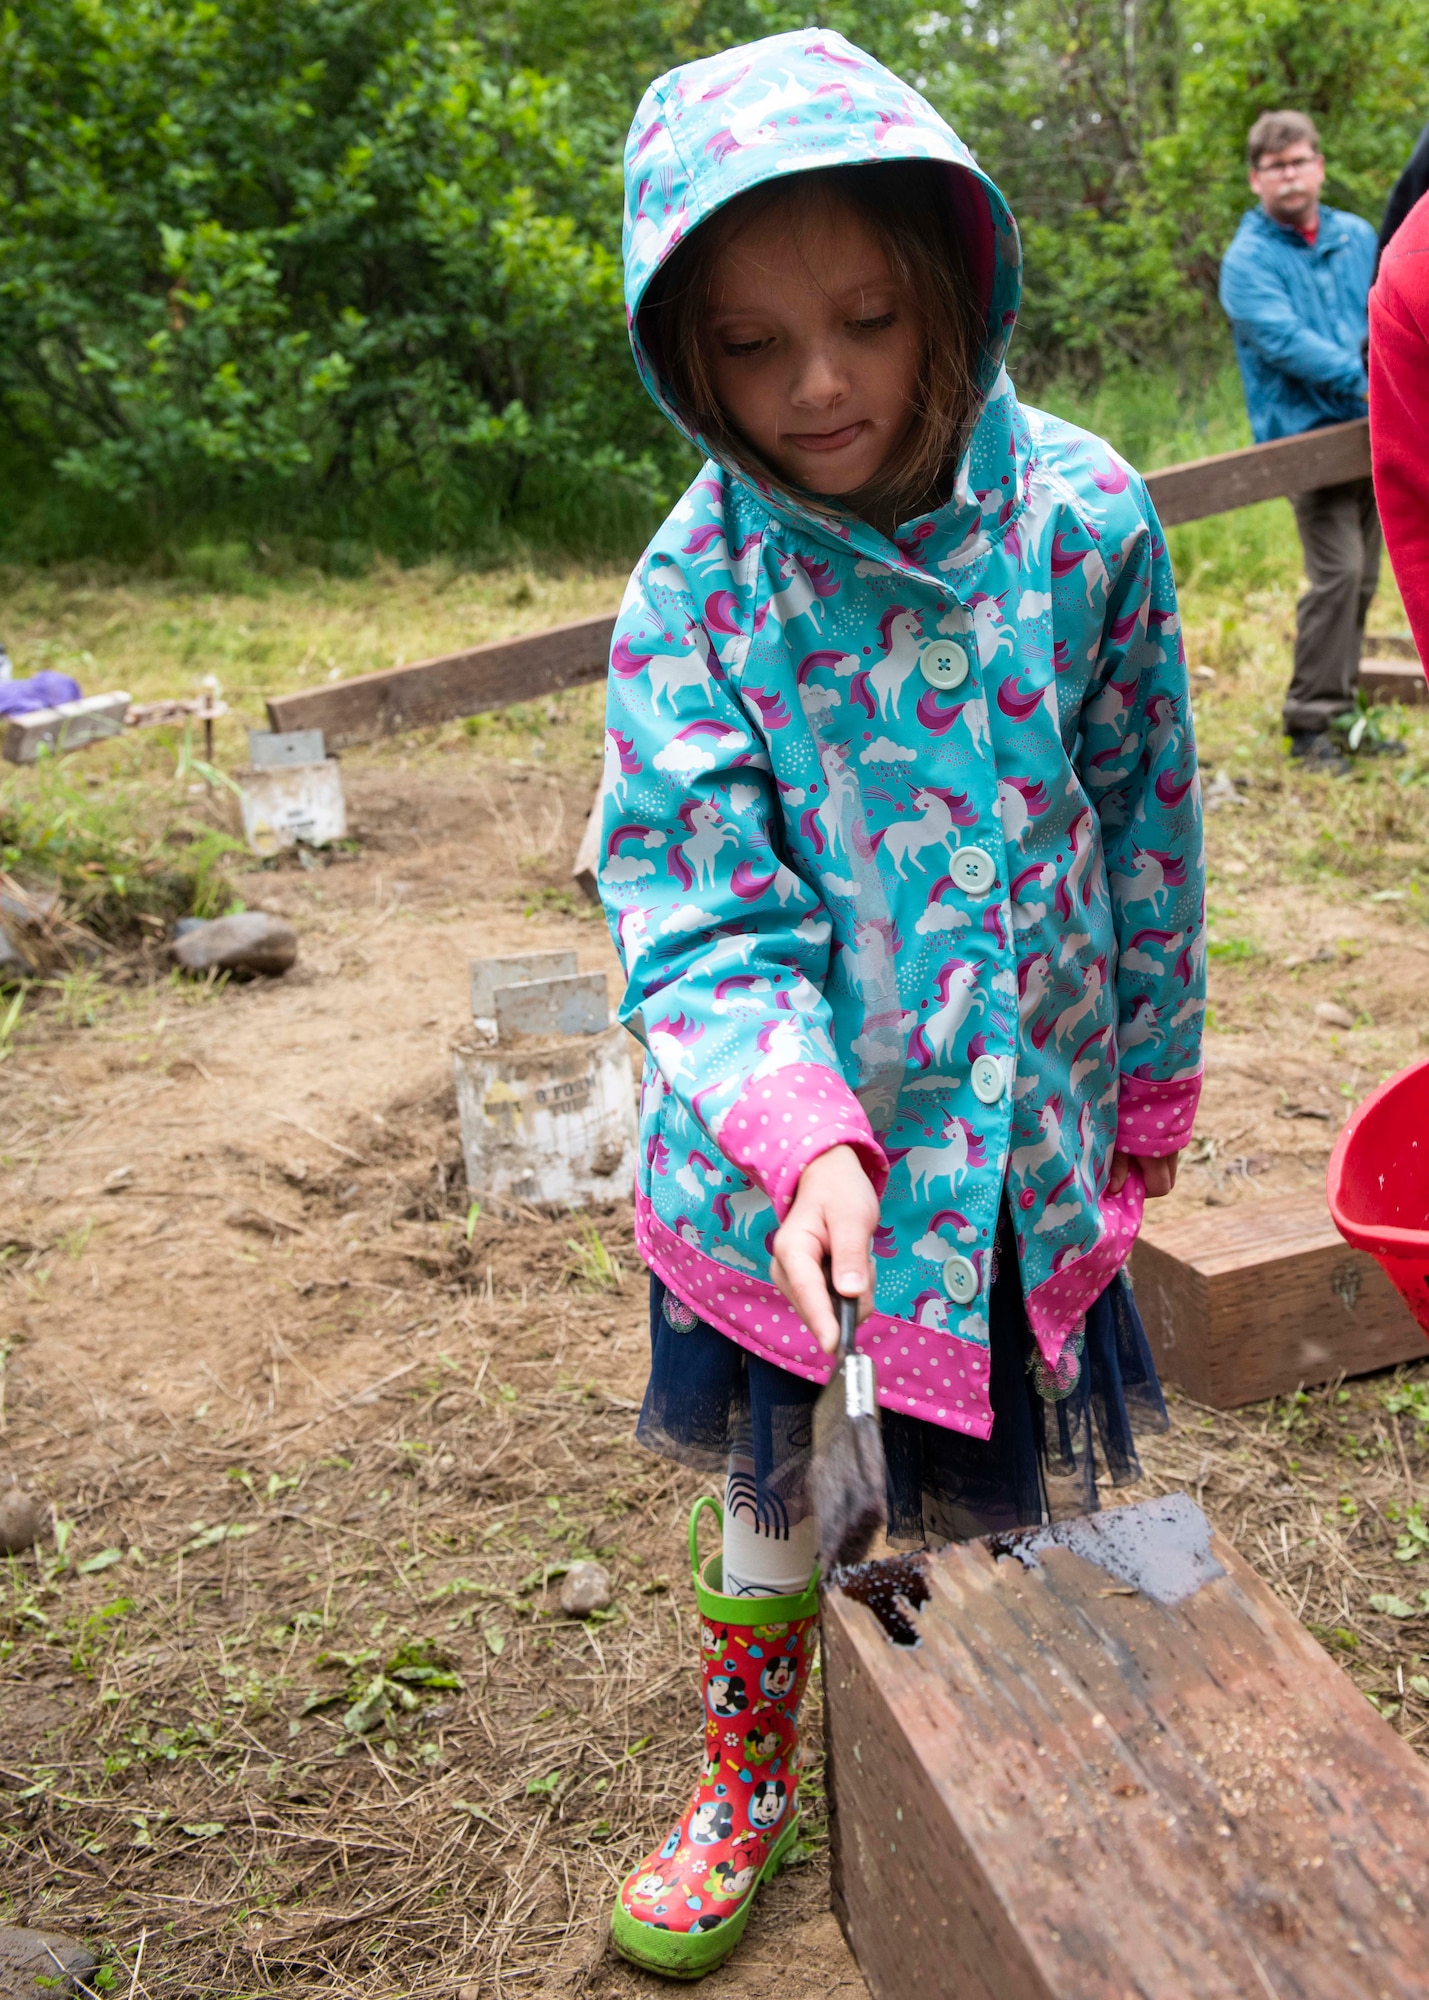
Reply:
x=119 y=852
x=592 y=1262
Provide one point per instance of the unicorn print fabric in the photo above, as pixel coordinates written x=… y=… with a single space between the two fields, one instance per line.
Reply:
x=902 y=843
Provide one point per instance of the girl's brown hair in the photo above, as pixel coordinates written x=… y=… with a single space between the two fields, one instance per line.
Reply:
x=906 y=204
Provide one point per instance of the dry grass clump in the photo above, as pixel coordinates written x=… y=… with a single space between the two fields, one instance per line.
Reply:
x=303 y=1709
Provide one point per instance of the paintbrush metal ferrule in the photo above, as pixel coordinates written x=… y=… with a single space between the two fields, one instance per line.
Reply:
x=860 y=1386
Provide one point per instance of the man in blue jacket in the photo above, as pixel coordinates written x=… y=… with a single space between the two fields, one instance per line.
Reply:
x=1295 y=287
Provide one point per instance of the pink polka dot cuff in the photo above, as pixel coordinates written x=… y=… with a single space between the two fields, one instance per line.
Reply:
x=1059 y=1304
x=1155 y=1118
x=779 y=1123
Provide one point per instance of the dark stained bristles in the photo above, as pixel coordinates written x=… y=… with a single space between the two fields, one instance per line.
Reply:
x=849 y=1477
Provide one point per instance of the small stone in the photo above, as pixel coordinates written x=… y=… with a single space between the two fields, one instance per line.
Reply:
x=252 y=941
x=585 y=1587
x=1331 y=1015
x=28 y=1972
x=29 y=909
x=13 y=962
x=470 y=1991
x=22 y=1517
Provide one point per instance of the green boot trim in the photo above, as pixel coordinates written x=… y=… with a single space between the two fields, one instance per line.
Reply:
x=709 y=1577
x=691 y=1954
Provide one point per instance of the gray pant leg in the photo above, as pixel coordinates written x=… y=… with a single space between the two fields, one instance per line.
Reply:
x=1340 y=534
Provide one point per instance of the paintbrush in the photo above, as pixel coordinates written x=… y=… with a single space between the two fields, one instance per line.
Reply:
x=849 y=1478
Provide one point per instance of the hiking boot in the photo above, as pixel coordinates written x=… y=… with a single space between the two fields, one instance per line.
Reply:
x=1317 y=747
x=683 y=1910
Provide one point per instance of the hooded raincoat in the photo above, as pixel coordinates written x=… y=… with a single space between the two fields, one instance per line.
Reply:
x=902 y=843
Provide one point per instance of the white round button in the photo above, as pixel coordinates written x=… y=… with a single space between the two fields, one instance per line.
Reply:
x=987 y=1080
x=943 y=663
x=960 y=1281
x=974 y=870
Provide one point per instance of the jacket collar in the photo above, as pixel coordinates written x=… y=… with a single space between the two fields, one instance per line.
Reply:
x=1330 y=233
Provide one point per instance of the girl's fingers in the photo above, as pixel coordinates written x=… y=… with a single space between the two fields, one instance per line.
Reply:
x=848 y=1256
x=1120 y=1168
x=799 y=1273
x=1159 y=1175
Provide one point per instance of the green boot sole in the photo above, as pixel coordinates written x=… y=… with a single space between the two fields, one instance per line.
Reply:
x=691 y=1954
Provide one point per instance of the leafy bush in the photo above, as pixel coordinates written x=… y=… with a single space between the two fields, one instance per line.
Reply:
x=261 y=248
x=345 y=273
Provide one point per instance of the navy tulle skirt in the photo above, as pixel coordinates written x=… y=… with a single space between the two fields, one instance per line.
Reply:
x=708 y=1397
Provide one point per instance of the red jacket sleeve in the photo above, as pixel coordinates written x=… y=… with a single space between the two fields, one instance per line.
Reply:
x=1399 y=411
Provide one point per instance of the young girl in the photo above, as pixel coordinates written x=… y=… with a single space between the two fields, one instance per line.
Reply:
x=902 y=853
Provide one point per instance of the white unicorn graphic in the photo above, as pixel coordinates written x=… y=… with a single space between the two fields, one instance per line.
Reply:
x=949 y=1163
x=906 y=838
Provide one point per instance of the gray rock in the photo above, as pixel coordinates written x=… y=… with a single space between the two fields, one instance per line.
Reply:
x=28 y=1972
x=1330 y=1015
x=29 y=909
x=13 y=962
x=22 y=1517
x=253 y=941
x=585 y=1587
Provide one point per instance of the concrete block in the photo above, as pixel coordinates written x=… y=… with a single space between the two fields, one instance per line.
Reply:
x=554 y=1125
x=67 y=726
x=285 y=803
x=576 y=1004
x=268 y=748
x=489 y=973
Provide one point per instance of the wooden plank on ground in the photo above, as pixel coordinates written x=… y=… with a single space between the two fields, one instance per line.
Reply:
x=1394 y=680
x=587 y=864
x=1252 y=1301
x=1115 y=1767
x=510 y=670
x=454 y=684
x=1203 y=486
x=67 y=726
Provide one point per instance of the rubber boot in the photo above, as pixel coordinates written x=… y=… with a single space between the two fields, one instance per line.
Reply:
x=683 y=1910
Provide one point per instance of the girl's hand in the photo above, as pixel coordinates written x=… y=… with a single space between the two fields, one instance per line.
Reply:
x=1158 y=1174
x=832 y=1220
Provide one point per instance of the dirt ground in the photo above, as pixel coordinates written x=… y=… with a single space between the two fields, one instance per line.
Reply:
x=288 y=1705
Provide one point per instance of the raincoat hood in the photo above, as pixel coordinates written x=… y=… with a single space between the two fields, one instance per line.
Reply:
x=793 y=104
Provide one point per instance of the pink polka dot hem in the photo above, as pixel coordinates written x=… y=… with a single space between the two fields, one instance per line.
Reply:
x=947 y=1385
x=1154 y=1118
x=1059 y=1304
x=779 y=1123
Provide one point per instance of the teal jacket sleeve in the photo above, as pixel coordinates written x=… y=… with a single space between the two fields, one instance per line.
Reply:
x=1138 y=762
x=725 y=947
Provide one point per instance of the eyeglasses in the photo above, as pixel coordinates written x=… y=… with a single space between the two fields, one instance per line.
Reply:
x=1278 y=169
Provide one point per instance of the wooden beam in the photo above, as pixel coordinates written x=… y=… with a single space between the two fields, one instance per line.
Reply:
x=68 y=726
x=438 y=690
x=1252 y=1301
x=1203 y=486
x=586 y=871
x=1113 y=1764
x=510 y=670
x=1394 y=680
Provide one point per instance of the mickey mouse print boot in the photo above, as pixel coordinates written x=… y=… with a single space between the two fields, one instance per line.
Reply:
x=683 y=1910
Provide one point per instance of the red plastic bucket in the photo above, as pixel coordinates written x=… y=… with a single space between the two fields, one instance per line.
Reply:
x=1378 y=1183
